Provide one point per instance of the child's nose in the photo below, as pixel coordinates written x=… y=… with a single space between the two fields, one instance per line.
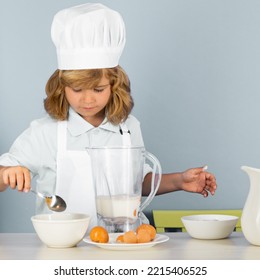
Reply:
x=88 y=96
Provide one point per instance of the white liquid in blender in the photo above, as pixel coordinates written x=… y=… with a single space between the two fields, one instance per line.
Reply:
x=118 y=206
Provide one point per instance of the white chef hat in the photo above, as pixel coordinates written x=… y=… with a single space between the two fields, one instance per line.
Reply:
x=88 y=36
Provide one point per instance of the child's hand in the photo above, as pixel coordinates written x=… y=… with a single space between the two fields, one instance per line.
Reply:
x=199 y=181
x=17 y=177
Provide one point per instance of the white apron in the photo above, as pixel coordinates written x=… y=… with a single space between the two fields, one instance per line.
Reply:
x=74 y=175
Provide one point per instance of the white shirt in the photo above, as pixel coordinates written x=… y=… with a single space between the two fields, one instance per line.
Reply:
x=36 y=147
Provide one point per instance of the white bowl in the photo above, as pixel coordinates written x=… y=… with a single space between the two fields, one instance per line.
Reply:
x=61 y=230
x=209 y=226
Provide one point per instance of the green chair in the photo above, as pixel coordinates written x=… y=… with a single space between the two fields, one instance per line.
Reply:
x=170 y=220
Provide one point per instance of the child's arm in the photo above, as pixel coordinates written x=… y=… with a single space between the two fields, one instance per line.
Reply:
x=16 y=177
x=195 y=180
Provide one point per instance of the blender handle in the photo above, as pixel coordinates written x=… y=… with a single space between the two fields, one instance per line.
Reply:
x=154 y=189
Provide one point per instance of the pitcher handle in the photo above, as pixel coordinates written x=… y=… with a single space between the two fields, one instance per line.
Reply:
x=154 y=189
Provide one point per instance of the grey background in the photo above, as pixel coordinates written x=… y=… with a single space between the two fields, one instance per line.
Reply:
x=194 y=67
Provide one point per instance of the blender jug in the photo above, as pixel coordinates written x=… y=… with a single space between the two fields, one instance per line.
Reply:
x=118 y=174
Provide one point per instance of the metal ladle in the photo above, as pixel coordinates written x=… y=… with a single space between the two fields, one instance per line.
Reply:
x=54 y=202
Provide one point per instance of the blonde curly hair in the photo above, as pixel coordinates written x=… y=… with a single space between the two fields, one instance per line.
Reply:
x=120 y=103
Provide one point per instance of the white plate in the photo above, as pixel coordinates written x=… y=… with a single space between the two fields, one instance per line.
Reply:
x=113 y=245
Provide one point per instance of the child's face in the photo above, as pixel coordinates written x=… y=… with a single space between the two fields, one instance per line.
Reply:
x=90 y=103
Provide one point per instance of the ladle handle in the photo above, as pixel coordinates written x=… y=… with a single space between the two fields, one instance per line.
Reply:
x=156 y=179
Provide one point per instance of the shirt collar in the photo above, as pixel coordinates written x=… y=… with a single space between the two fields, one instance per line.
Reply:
x=77 y=125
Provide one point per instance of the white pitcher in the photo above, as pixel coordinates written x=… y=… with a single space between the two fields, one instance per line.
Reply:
x=250 y=219
x=118 y=174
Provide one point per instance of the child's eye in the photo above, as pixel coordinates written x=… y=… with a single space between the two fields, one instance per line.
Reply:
x=77 y=89
x=98 y=90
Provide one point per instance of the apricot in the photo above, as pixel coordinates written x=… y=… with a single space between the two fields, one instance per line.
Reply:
x=143 y=236
x=149 y=228
x=120 y=238
x=130 y=237
x=99 y=234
